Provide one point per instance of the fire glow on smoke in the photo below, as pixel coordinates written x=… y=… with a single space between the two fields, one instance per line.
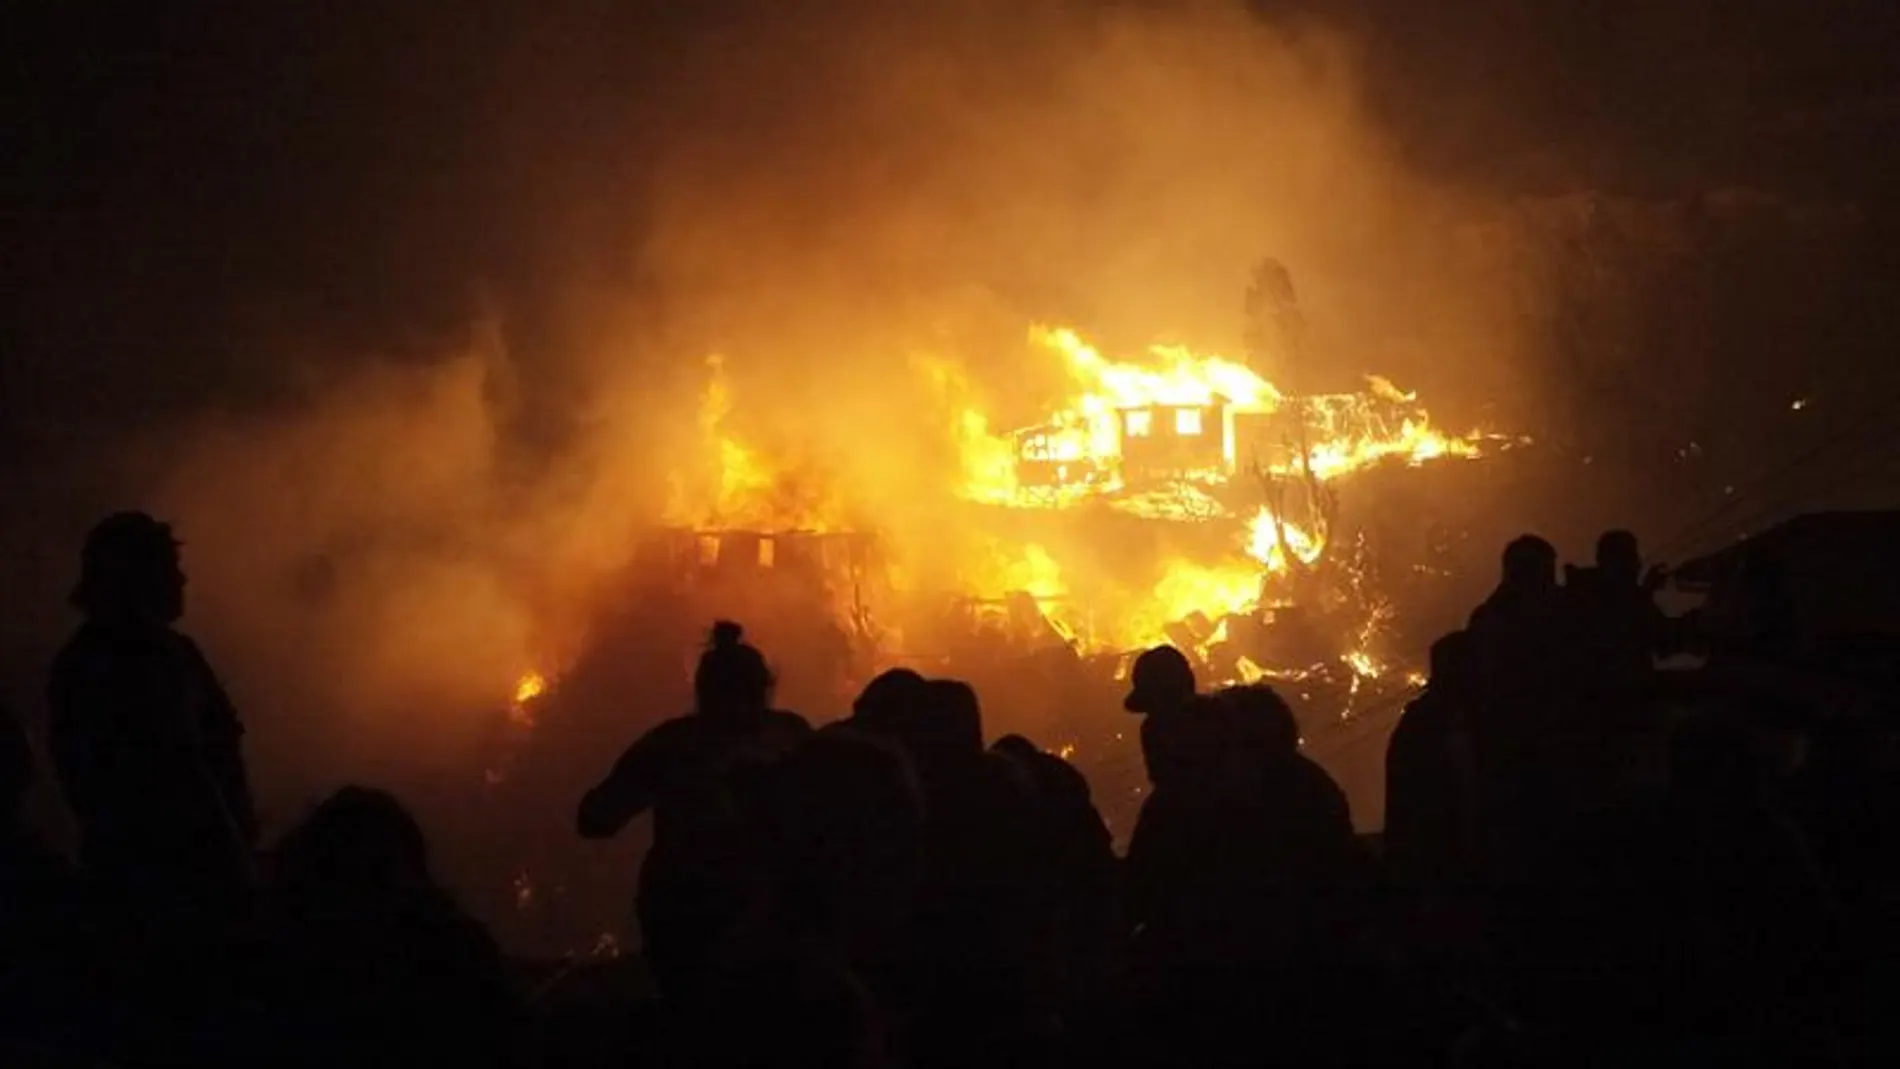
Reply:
x=1178 y=437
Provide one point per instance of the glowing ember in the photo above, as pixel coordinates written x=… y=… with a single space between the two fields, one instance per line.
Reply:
x=1363 y=665
x=528 y=689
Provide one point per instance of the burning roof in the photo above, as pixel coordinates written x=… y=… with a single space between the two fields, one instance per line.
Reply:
x=1192 y=439
x=1120 y=409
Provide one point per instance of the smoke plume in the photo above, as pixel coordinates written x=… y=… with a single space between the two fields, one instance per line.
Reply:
x=429 y=504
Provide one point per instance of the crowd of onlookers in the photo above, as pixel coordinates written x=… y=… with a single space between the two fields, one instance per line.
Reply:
x=1580 y=865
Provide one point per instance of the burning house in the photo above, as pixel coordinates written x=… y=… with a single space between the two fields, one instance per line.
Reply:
x=811 y=556
x=1204 y=421
x=1165 y=444
x=1176 y=498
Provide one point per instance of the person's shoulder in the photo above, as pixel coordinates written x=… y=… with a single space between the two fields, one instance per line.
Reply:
x=85 y=644
x=455 y=933
x=1314 y=775
x=1426 y=711
x=89 y=658
x=184 y=645
x=95 y=644
x=675 y=730
x=786 y=720
x=1061 y=782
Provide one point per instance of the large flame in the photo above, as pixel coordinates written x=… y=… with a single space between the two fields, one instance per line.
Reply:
x=740 y=487
x=1347 y=432
x=1082 y=453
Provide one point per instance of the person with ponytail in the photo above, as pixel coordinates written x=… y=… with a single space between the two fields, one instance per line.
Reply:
x=701 y=875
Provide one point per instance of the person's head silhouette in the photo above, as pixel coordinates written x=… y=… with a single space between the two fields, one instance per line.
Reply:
x=357 y=841
x=955 y=727
x=1453 y=663
x=1530 y=563
x=732 y=677
x=130 y=569
x=1161 y=681
x=1618 y=559
x=1263 y=719
x=889 y=699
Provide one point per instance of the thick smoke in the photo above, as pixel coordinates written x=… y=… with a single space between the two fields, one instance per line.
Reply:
x=824 y=196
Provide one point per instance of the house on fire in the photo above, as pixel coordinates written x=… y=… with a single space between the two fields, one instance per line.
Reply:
x=741 y=553
x=1150 y=444
x=1146 y=445
x=1164 y=443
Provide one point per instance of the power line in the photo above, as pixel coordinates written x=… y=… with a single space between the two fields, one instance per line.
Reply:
x=1863 y=464
x=1782 y=507
x=1696 y=530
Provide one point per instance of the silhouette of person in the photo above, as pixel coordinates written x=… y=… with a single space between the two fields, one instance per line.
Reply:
x=378 y=964
x=702 y=872
x=975 y=922
x=1428 y=803
x=843 y=817
x=1846 y=801
x=1080 y=870
x=1527 y=590
x=28 y=866
x=1527 y=645
x=1747 y=877
x=782 y=1005
x=146 y=743
x=42 y=961
x=1309 y=846
x=1624 y=627
x=1770 y=629
x=1162 y=690
x=889 y=701
x=1170 y=852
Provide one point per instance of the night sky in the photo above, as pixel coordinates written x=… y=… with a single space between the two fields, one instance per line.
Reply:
x=175 y=172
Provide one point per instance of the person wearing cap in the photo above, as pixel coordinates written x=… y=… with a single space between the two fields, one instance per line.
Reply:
x=1161 y=690
x=145 y=741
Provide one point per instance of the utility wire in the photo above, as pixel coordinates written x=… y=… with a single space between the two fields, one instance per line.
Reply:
x=1697 y=530
x=1783 y=506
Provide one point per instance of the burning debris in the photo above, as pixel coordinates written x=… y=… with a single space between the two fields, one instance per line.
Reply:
x=1180 y=498
x=1190 y=439
x=529 y=687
